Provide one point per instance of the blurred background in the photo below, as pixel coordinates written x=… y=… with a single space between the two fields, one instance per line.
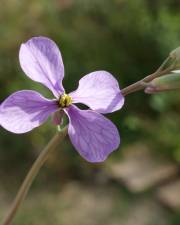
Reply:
x=139 y=183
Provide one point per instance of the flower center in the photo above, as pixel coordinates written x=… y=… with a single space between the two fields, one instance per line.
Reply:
x=65 y=101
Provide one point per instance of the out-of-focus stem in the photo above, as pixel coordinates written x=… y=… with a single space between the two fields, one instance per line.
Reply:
x=32 y=174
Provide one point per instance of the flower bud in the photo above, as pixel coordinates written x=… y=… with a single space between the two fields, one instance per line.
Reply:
x=175 y=57
x=164 y=83
x=175 y=54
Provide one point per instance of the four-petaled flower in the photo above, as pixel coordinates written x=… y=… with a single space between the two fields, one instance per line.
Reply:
x=93 y=135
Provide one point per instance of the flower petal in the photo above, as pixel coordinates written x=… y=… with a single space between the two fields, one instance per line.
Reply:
x=93 y=136
x=25 y=110
x=100 y=91
x=41 y=60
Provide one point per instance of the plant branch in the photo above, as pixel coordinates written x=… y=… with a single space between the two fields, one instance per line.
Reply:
x=139 y=85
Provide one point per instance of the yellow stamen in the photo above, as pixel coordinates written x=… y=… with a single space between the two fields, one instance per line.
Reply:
x=65 y=100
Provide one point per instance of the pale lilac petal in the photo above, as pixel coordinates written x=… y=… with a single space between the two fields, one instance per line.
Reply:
x=41 y=60
x=25 y=110
x=93 y=136
x=100 y=91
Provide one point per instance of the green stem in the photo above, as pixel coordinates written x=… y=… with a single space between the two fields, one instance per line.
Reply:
x=32 y=174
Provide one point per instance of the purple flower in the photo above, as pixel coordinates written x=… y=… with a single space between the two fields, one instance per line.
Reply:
x=93 y=136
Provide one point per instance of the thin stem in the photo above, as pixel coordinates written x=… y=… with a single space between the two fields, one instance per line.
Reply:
x=139 y=85
x=32 y=174
x=164 y=64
